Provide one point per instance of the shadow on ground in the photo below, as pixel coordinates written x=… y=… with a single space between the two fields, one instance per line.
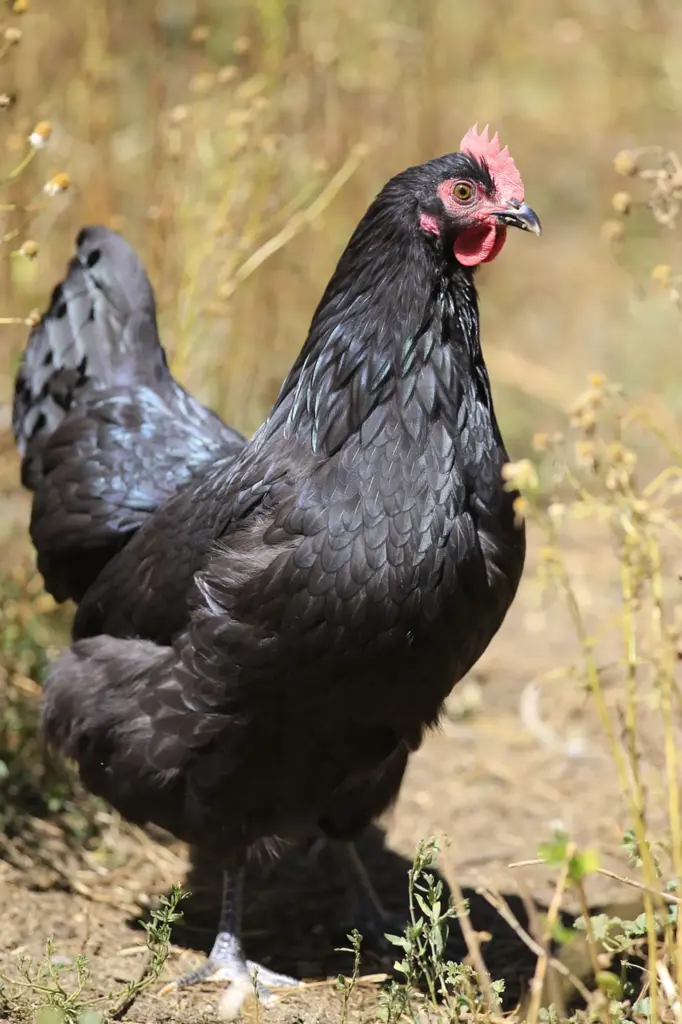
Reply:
x=297 y=916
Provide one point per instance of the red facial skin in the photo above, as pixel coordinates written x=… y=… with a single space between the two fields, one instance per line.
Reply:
x=481 y=242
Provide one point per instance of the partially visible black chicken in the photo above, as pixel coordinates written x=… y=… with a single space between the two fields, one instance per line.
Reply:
x=256 y=655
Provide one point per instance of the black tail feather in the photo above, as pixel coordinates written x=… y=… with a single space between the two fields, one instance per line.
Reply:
x=99 y=331
x=105 y=432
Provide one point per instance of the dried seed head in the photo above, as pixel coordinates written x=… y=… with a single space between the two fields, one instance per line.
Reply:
x=521 y=508
x=612 y=230
x=7 y=100
x=40 y=135
x=585 y=419
x=521 y=475
x=18 y=6
x=178 y=114
x=616 y=451
x=58 y=183
x=624 y=163
x=199 y=34
x=661 y=274
x=622 y=202
x=613 y=480
x=29 y=249
x=12 y=35
x=541 y=442
x=202 y=82
x=227 y=74
x=33 y=318
x=586 y=454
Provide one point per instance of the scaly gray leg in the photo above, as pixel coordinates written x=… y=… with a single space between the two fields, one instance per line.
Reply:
x=226 y=961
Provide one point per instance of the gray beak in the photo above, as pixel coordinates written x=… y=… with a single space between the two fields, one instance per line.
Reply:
x=520 y=216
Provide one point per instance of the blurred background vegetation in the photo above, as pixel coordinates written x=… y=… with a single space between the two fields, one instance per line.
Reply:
x=199 y=127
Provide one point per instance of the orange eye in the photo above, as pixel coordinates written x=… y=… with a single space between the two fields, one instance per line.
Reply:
x=462 y=191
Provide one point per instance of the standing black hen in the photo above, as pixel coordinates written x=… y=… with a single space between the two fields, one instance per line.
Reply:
x=258 y=657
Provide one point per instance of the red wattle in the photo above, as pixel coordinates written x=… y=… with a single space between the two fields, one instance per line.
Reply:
x=479 y=244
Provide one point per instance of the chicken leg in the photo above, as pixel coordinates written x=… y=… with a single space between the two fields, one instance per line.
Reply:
x=365 y=909
x=226 y=961
x=372 y=918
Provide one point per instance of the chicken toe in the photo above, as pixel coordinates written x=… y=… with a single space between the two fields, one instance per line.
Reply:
x=226 y=961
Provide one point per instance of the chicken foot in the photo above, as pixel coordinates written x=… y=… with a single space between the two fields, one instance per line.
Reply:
x=226 y=961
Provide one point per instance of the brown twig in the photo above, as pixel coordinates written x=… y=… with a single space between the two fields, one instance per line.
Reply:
x=538 y=979
x=470 y=937
x=499 y=903
x=667 y=897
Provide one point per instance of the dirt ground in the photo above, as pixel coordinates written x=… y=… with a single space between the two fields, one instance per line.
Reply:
x=518 y=752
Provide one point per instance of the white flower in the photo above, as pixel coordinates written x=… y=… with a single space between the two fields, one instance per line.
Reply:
x=59 y=183
x=40 y=135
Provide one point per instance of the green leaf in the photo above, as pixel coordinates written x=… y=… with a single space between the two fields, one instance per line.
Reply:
x=631 y=847
x=636 y=927
x=438 y=939
x=554 y=852
x=610 y=983
x=562 y=934
x=583 y=864
x=423 y=905
x=49 y=1015
x=91 y=1017
x=642 y=1008
x=601 y=925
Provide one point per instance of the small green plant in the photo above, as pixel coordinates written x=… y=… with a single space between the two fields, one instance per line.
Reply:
x=158 y=938
x=54 y=990
x=453 y=989
x=346 y=986
x=54 y=986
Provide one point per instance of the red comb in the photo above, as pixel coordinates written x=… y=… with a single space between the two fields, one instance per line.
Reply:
x=500 y=164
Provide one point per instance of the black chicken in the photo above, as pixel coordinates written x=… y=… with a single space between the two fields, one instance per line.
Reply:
x=266 y=629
